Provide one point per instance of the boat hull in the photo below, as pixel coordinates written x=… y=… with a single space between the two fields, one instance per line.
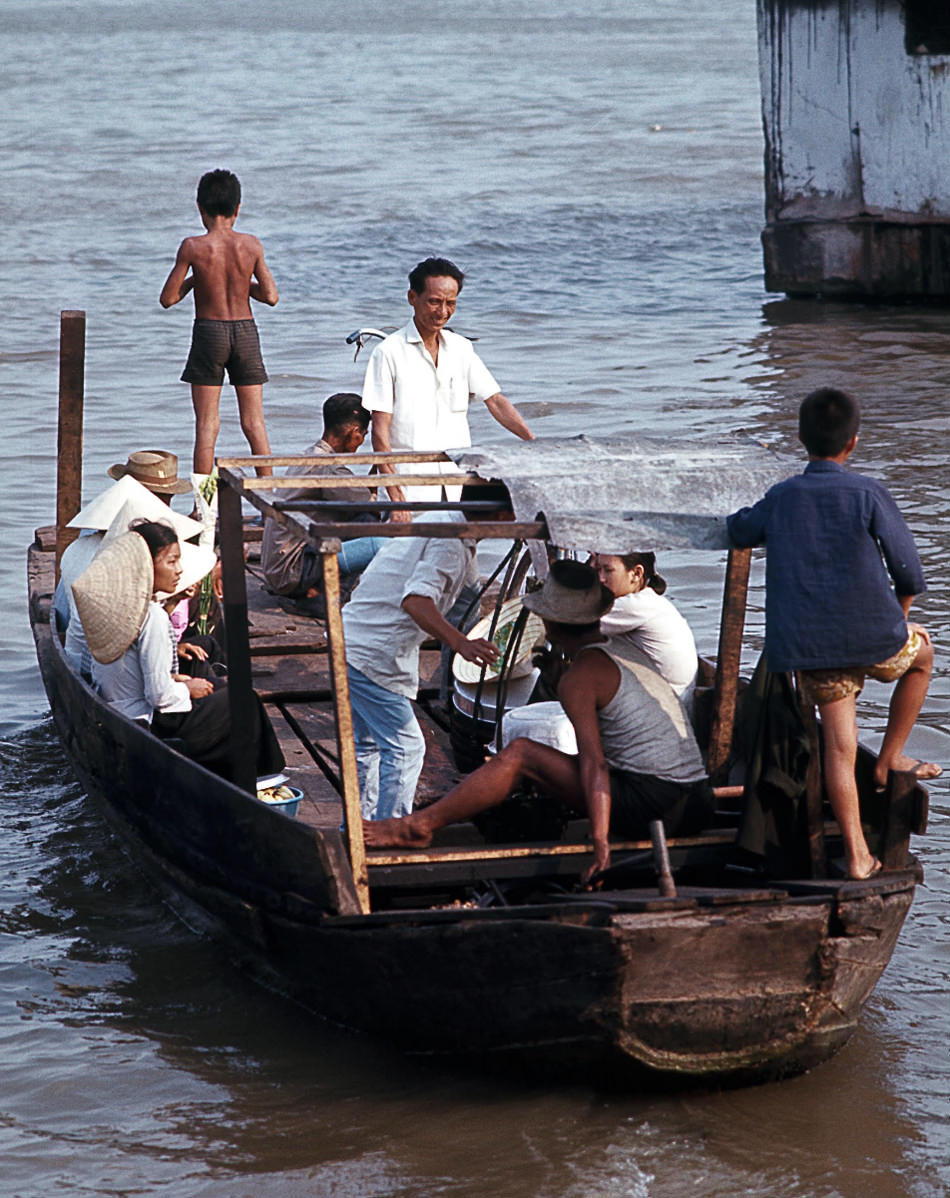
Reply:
x=716 y=994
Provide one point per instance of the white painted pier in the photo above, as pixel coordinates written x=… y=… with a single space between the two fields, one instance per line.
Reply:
x=856 y=101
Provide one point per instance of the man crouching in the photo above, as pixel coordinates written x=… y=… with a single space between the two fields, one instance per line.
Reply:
x=637 y=758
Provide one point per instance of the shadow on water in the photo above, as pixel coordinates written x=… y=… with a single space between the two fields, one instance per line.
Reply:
x=169 y=1067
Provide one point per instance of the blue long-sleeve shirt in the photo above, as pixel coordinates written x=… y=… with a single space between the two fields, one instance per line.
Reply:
x=834 y=540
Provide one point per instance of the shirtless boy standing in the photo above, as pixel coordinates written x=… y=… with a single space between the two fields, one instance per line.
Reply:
x=227 y=271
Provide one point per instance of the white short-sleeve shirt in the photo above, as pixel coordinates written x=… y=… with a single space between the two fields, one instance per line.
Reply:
x=382 y=641
x=428 y=402
x=652 y=623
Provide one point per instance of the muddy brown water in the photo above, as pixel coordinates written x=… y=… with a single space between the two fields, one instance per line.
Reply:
x=596 y=170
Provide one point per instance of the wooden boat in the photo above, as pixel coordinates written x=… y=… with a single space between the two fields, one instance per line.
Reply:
x=470 y=948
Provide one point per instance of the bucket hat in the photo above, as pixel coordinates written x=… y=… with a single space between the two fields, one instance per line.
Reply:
x=99 y=513
x=156 y=469
x=572 y=594
x=112 y=596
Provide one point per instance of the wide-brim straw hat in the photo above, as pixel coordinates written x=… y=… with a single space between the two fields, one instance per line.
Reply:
x=156 y=469
x=100 y=512
x=572 y=594
x=470 y=671
x=197 y=561
x=112 y=596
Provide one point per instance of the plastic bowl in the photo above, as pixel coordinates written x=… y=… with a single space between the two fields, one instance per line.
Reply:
x=286 y=806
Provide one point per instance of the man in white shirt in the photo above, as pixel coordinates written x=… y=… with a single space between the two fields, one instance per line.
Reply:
x=402 y=598
x=419 y=382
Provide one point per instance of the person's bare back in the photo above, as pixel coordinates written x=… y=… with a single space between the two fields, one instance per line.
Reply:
x=225 y=270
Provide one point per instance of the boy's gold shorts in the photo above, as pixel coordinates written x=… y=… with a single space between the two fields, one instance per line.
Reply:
x=826 y=686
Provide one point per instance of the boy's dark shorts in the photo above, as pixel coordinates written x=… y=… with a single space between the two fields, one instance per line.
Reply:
x=216 y=344
x=638 y=799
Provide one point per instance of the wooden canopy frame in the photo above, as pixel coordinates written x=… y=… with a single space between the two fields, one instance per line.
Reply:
x=237 y=481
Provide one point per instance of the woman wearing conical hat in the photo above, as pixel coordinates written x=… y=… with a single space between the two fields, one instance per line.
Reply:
x=132 y=644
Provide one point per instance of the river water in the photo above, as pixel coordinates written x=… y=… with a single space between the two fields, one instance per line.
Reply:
x=596 y=169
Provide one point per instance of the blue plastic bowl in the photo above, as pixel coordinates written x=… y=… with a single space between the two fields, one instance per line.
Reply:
x=286 y=806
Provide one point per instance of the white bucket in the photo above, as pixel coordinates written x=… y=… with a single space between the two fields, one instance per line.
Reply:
x=516 y=695
x=546 y=723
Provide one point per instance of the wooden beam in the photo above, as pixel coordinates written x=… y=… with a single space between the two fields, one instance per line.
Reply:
x=477 y=530
x=240 y=690
x=726 y=690
x=902 y=815
x=385 y=506
x=559 y=849
x=288 y=482
x=345 y=459
x=293 y=649
x=72 y=367
x=254 y=490
x=352 y=810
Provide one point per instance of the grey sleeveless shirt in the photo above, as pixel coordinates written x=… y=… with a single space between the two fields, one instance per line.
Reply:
x=644 y=727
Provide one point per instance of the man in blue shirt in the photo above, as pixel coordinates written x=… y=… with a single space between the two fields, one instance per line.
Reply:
x=834 y=542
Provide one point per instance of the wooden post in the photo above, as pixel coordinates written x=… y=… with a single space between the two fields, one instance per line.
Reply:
x=240 y=691
x=905 y=812
x=814 y=793
x=72 y=358
x=661 y=859
x=735 y=592
x=352 y=811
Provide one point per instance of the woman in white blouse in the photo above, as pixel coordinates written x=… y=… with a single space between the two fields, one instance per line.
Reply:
x=133 y=646
x=642 y=615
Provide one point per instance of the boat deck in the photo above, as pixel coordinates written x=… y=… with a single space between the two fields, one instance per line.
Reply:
x=290 y=668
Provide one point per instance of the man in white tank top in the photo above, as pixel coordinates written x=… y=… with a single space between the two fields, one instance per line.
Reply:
x=637 y=757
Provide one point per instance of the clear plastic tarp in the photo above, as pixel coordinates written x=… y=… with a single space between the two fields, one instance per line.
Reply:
x=631 y=494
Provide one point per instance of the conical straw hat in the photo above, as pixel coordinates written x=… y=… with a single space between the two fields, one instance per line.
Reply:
x=100 y=512
x=128 y=513
x=112 y=596
x=77 y=556
x=469 y=671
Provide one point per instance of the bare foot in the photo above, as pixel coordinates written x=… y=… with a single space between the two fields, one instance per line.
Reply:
x=401 y=833
x=862 y=876
x=924 y=770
